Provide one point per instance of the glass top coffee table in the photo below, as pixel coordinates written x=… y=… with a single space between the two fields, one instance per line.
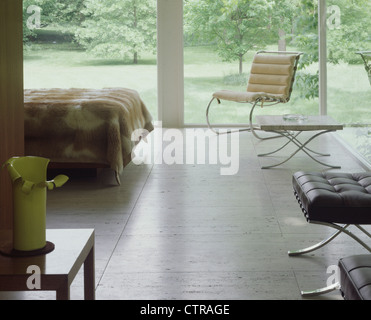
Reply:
x=291 y=126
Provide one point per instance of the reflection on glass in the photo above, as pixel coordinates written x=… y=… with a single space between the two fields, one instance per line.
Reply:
x=349 y=89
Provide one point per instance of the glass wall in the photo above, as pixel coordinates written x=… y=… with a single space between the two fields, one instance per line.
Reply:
x=349 y=85
x=91 y=44
x=220 y=40
x=82 y=43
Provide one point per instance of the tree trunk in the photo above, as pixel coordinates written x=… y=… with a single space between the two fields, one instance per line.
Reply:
x=240 y=64
x=135 y=60
x=135 y=25
x=282 y=40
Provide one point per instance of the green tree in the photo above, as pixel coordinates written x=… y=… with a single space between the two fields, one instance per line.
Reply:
x=305 y=38
x=62 y=15
x=28 y=32
x=235 y=26
x=353 y=33
x=283 y=19
x=120 y=29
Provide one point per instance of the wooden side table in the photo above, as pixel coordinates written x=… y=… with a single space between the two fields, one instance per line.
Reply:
x=73 y=248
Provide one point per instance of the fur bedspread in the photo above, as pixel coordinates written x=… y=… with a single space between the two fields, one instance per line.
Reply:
x=84 y=125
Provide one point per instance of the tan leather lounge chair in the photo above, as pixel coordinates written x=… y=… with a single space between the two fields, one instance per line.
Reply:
x=270 y=82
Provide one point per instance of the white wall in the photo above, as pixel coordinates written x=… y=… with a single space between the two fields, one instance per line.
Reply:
x=170 y=63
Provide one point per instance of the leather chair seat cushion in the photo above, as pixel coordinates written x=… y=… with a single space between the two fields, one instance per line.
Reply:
x=272 y=74
x=236 y=96
x=355 y=277
x=271 y=78
x=334 y=197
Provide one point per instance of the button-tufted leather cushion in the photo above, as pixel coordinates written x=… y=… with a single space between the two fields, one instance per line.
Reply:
x=334 y=197
x=355 y=277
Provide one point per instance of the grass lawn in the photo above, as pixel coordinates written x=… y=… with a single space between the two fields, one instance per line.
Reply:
x=205 y=73
x=349 y=92
x=63 y=65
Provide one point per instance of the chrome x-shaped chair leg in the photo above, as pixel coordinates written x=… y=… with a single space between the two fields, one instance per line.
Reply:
x=340 y=229
x=332 y=237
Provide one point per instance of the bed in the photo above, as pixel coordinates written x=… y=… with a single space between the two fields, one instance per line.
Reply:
x=86 y=127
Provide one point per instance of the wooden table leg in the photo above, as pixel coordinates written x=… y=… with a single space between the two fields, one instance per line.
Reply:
x=63 y=292
x=89 y=276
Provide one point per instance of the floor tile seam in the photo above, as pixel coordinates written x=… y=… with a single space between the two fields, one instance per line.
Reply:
x=290 y=272
x=296 y=280
x=201 y=236
x=123 y=234
x=202 y=206
x=123 y=228
x=193 y=205
x=277 y=215
x=266 y=183
x=278 y=222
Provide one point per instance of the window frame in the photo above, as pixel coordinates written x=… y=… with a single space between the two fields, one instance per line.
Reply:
x=170 y=55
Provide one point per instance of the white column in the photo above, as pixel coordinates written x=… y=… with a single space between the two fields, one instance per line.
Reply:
x=322 y=33
x=170 y=63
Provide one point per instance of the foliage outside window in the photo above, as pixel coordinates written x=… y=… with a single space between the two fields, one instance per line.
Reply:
x=112 y=29
x=216 y=32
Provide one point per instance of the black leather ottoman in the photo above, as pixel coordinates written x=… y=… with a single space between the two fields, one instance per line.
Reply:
x=355 y=277
x=336 y=200
x=334 y=197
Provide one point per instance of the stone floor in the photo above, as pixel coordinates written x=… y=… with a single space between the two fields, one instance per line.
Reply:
x=185 y=231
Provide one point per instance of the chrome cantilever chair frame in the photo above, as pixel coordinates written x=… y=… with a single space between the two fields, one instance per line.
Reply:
x=261 y=99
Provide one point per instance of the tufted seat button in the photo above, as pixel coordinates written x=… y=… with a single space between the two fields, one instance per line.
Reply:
x=334 y=197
